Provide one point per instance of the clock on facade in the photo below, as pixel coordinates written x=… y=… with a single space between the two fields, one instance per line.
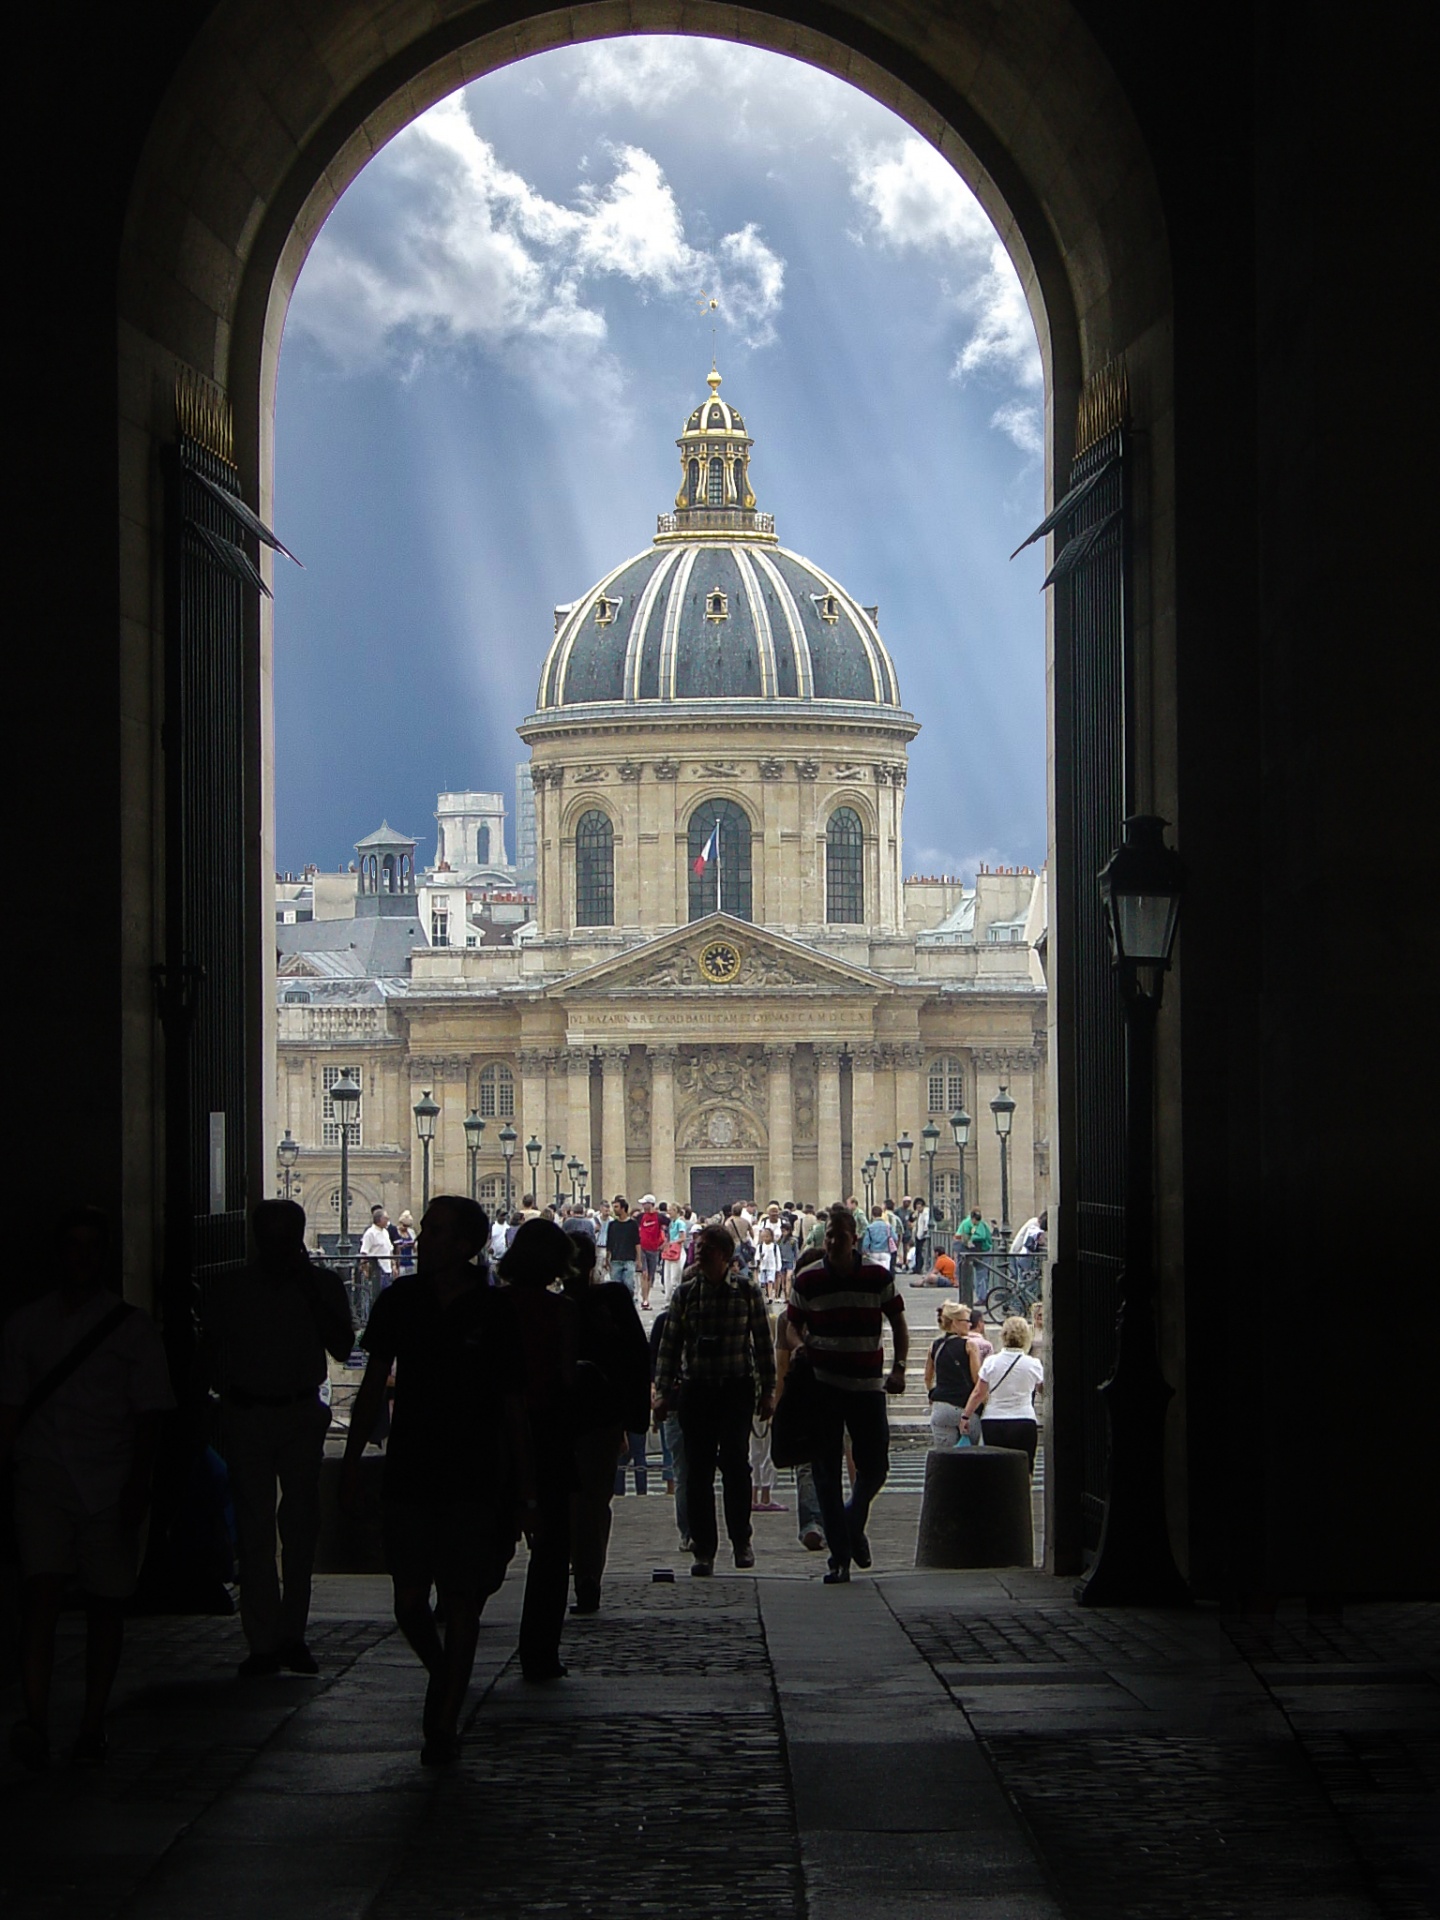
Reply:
x=720 y=962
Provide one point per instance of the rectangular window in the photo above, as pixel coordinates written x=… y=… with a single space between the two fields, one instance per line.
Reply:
x=329 y=1118
x=439 y=929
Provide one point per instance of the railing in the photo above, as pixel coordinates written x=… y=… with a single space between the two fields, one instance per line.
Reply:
x=1001 y=1283
x=715 y=520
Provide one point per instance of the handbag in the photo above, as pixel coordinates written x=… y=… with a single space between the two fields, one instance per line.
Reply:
x=792 y=1426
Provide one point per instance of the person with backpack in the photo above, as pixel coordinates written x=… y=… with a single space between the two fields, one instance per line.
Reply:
x=877 y=1242
x=83 y=1388
x=652 y=1245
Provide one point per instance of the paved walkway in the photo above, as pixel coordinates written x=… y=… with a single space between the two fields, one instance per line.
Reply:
x=972 y=1745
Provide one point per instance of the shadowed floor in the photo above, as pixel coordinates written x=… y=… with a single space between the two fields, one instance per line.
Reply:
x=759 y=1745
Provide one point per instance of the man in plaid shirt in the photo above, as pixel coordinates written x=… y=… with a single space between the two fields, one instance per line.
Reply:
x=717 y=1343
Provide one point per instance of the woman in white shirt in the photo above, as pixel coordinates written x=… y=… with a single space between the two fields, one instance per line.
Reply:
x=1006 y=1389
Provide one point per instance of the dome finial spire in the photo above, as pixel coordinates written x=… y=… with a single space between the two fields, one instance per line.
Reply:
x=712 y=379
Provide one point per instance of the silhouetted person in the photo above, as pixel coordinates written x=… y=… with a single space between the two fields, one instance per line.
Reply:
x=836 y=1309
x=458 y=1480
x=541 y=1254
x=717 y=1338
x=265 y=1334
x=83 y=1385
x=612 y=1393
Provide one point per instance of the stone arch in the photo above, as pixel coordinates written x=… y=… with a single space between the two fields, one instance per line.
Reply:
x=270 y=115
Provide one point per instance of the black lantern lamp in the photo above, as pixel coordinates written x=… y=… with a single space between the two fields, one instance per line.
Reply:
x=572 y=1167
x=583 y=1178
x=345 y=1098
x=287 y=1153
x=1003 y=1108
x=508 y=1136
x=960 y=1130
x=427 y=1112
x=1140 y=889
x=533 y=1151
x=869 y=1167
x=474 y=1140
x=887 y=1160
x=930 y=1138
x=557 y=1167
x=905 y=1146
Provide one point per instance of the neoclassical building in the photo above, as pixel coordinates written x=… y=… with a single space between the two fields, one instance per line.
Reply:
x=727 y=988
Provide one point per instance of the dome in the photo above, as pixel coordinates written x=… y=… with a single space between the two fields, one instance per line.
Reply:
x=716 y=609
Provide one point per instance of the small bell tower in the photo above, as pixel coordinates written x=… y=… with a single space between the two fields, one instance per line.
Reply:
x=715 y=494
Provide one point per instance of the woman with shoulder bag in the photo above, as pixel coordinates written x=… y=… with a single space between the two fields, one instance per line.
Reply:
x=1006 y=1389
x=949 y=1375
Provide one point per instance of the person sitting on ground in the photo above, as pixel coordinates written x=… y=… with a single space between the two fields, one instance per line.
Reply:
x=83 y=1386
x=459 y=1479
x=265 y=1333
x=543 y=1253
x=1005 y=1392
x=611 y=1400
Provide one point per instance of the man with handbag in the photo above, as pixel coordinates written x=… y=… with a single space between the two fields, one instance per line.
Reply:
x=83 y=1386
x=266 y=1331
x=717 y=1339
x=836 y=1310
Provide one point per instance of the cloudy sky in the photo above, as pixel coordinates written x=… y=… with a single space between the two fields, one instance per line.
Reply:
x=494 y=344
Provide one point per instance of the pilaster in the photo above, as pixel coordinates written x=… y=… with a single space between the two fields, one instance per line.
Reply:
x=827 y=1118
x=779 y=1054
x=576 y=1141
x=863 y=1138
x=611 y=1178
x=662 y=1123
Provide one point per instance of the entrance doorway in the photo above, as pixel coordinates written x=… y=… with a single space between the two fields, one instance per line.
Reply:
x=712 y=1189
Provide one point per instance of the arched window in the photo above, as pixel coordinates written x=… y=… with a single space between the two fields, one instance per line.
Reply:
x=482 y=846
x=497 y=1092
x=694 y=480
x=716 y=495
x=387 y=873
x=845 y=868
x=739 y=483
x=594 y=870
x=947 y=1086
x=719 y=854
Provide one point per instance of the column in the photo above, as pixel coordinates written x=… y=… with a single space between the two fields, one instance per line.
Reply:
x=452 y=1163
x=611 y=1178
x=912 y=1099
x=534 y=1062
x=576 y=1140
x=827 y=1123
x=778 y=1056
x=863 y=1139
x=662 y=1124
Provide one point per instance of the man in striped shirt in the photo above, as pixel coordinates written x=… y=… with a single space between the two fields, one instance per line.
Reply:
x=835 y=1313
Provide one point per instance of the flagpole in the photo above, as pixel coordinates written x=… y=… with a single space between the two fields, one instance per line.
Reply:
x=717 y=865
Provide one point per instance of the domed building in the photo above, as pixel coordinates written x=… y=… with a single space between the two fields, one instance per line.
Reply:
x=728 y=989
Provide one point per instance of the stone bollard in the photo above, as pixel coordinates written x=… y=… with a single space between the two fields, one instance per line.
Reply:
x=976 y=1510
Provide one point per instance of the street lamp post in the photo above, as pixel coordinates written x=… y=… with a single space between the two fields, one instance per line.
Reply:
x=1003 y=1108
x=345 y=1098
x=960 y=1128
x=887 y=1160
x=287 y=1153
x=508 y=1137
x=474 y=1140
x=572 y=1167
x=583 y=1178
x=868 y=1169
x=557 y=1167
x=905 y=1146
x=427 y=1112
x=930 y=1134
x=533 y=1151
x=1140 y=888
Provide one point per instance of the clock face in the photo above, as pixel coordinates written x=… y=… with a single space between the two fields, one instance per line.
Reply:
x=720 y=961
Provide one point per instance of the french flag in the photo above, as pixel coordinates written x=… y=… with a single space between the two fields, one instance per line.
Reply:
x=707 y=852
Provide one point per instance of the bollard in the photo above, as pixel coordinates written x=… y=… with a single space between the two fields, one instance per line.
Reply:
x=976 y=1510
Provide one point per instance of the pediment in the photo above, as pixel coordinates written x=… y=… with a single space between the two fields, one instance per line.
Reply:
x=295 y=967
x=768 y=964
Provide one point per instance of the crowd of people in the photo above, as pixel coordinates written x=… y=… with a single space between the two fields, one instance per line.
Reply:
x=509 y=1372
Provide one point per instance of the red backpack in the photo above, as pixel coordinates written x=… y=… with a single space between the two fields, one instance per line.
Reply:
x=652 y=1231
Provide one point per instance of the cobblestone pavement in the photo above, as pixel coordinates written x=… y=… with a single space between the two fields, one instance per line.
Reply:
x=912 y=1745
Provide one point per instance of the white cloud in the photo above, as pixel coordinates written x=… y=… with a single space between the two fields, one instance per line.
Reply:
x=913 y=198
x=462 y=249
x=765 y=101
